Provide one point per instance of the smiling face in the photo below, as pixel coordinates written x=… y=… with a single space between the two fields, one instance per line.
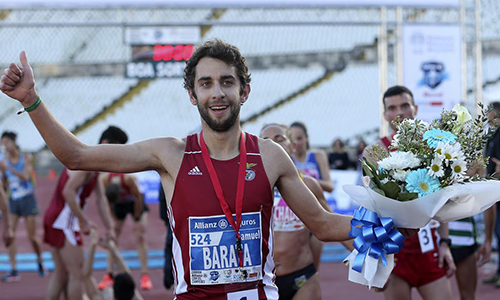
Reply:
x=399 y=105
x=218 y=94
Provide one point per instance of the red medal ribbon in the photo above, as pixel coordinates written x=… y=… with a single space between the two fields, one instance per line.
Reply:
x=239 y=189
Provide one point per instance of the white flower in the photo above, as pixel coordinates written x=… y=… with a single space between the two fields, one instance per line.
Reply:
x=436 y=167
x=399 y=160
x=399 y=175
x=449 y=152
x=458 y=168
x=462 y=114
x=384 y=181
x=395 y=140
x=463 y=117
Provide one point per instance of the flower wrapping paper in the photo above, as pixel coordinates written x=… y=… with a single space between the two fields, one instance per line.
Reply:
x=448 y=204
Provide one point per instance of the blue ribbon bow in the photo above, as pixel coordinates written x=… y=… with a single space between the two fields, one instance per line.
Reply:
x=373 y=236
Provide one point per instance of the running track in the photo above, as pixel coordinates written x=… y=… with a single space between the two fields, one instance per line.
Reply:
x=334 y=283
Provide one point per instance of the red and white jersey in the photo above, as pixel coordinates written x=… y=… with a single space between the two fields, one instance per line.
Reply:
x=204 y=256
x=60 y=217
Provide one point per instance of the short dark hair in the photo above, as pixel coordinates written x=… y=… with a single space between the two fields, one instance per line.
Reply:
x=123 y=287
x=113 y=192
x=10 y=135
x=220 y=50
x=114 y=135
x=397 y=90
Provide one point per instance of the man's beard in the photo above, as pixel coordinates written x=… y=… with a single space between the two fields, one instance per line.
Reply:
x=220 y=126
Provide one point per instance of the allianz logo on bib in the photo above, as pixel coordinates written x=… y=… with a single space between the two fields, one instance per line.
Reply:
x=195 y=171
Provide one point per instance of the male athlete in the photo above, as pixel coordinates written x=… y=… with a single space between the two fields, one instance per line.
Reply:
x=420 y=263
x=65 y=220
x=218 y=183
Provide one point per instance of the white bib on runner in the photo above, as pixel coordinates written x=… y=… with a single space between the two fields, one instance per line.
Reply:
x=244 y=295
x=212 y=250
x=425 y=239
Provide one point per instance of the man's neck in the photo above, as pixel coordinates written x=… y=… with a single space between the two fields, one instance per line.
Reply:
x=222 y=145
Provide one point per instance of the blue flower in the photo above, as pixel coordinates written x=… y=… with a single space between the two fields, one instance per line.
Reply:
x=380 y=170
x=420 y=182
x=434 y=136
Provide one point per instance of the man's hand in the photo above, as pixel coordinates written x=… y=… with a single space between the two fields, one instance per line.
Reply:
x=8 y=236
x=484 y=253
x=86 y=226
x=19 y=83
x=3 y=165
x=446 y=259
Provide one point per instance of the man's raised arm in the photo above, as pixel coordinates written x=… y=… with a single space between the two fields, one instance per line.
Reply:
x=19 y=84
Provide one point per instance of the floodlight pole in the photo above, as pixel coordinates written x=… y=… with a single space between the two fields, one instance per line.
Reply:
x=382 y=69
x=399 y=45
x=479 y=60
x=463 y=17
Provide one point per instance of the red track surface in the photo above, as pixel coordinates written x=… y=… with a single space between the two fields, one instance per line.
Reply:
x=334 y=283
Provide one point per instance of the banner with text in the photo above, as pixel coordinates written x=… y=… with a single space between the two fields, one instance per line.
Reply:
x=432 y=67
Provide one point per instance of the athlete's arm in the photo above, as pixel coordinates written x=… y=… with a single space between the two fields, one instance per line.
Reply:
x=75 y=181
x=444 y=252
x=121 y=266
x=28 y=167
x=103 y=207
x=484 y=251
x=315 y=187
x=18 y=83
x=7 y=235
x=88 y=267
x=281 y=171
x=324 y=169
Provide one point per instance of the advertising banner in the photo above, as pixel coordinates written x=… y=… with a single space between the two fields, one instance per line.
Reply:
x=432 y=67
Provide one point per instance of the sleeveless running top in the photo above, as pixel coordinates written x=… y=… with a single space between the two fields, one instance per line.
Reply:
x=204 y=254
x=309 y=166
x=18 y=188
x=462 y=232
x=58 y=203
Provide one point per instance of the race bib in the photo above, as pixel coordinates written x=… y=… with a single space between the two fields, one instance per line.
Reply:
x=425 y=239
x=244 y=295
x=213 y=254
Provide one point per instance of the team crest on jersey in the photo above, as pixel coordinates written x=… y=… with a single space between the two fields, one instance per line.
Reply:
x=250 y=174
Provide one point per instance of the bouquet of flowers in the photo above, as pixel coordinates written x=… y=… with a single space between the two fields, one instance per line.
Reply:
x=423 y=178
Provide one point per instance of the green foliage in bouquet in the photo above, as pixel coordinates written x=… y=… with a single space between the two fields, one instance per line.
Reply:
x=425 y=158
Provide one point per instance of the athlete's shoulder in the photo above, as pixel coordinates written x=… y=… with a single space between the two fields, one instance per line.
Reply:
x=269 y=147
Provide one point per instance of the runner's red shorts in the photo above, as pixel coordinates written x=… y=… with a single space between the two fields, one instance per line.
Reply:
x=55 y=237
x=415 y=267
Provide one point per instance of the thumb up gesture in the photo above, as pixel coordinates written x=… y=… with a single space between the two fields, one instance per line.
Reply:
x=18 y=82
